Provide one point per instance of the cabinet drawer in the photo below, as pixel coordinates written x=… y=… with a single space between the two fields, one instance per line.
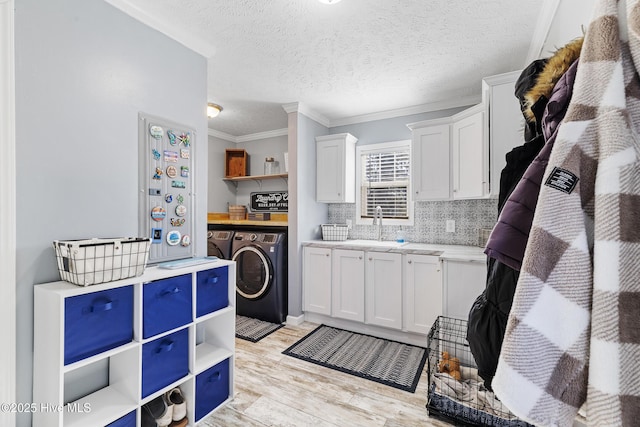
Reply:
x=128 y=420
x=212 y=290
x=97 y=322
x=212 y=388
x=164 y=361
x=166 y=305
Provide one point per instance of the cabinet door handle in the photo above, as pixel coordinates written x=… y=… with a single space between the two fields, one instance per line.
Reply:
x=165 y=346
x=338 y=194
x=409 y=261
x=167 y=292
x=214 y=377
x=370 y=259
x=326 y=254
x=212 y=280
x=98 y=307
x=360 y=257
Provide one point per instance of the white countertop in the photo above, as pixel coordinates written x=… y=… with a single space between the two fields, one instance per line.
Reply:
x=452 y=252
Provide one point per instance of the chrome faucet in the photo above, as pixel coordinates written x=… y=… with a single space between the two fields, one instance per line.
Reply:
x=377 y=220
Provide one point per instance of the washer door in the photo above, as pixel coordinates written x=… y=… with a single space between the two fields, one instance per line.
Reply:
x=254 y=272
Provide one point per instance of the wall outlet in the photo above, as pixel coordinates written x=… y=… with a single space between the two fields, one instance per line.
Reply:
x=451 y=226
x=349 y=224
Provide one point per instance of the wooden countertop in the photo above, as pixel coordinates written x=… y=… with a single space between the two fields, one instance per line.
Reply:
x=277 y=220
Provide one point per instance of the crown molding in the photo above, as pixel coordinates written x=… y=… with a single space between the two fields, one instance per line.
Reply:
x=221 y=135
x=541 y=31
x=249 y=137
x=416 y=109
x=299 y=107
x=196 y=44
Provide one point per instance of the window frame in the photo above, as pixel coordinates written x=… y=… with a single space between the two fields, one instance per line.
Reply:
x=376 y=148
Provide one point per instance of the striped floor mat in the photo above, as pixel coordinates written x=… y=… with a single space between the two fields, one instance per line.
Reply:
x=387 y=362
x=254 y=330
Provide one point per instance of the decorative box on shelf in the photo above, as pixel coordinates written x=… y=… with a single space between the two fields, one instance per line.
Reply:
x=236 y=162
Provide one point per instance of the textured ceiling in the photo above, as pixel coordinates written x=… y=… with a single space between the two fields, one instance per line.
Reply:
x=349 y=59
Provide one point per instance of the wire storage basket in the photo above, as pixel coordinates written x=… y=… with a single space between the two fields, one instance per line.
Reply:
x=94 y=261
x=335 y=231
x=460 y=397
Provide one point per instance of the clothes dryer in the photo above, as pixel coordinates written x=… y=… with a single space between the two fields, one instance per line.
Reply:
x=261 y=275
x=219 y=243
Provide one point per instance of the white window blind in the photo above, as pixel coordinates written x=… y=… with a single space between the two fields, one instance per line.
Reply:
x=385 y=183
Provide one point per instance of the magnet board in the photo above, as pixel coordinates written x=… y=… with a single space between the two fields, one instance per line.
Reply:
x=166 y=187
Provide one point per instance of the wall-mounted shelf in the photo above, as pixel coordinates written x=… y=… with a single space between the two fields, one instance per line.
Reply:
x=256 y=178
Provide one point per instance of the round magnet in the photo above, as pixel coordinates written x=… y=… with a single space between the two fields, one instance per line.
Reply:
x=181 y=210
x=158 y=213
x=186 y=240
x=168 y=198
x=155 y=131
x=173 y=238
x=172 y=171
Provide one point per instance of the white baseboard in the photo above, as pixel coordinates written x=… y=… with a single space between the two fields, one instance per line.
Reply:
x=295 y=320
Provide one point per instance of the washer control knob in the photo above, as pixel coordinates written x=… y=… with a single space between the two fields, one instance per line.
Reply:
x=253 y=237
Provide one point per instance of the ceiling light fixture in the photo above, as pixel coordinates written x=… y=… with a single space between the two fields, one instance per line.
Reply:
x=213 y=110
x=329 y=1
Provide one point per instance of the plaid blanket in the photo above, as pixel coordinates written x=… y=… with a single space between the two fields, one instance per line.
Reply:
x=573 y=333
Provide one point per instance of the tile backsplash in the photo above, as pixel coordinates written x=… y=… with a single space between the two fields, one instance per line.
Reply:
x=470 y=216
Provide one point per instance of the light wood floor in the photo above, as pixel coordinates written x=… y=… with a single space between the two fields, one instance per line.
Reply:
x=277 y=390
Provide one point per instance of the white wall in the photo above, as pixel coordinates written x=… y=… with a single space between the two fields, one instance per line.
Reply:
x=220 y=193
x=83 y=72
x=571 y=16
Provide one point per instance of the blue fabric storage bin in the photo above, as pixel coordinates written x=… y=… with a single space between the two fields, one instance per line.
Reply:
x=164 y=361
x=97 y=322
x=212 y=290
x=128 y=420
x=166 y=304
x=212 y=388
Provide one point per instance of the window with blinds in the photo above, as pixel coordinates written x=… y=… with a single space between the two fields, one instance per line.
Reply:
x=384 y=181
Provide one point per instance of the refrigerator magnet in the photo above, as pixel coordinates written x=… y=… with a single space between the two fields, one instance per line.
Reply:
x=186 y=240
x=158 y=213
x=185 y=138
x=181 y=210
x=172 y=137
x=156 y=235
x=155 y=131
x=156 y=154
x=173 y=237
x=172 y=171
x=168 y=198
x=170 y=156
x=180 y=199
x=184 y=154
x=184 y=171
x=178 y=184
x=158 y=174
x=177 y=222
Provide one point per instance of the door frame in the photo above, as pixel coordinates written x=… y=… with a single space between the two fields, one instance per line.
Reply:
x=7 y=210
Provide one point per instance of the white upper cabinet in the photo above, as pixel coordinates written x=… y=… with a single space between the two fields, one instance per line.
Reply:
x=470 y=155
x=430 y=158
x=505 y=120
x=335 y=168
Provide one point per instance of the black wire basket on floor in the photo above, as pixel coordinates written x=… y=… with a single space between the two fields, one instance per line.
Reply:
x=456 y=393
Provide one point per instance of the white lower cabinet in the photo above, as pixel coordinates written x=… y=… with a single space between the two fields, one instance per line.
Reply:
x=422 y=292
x=464 y=281
x=317 y=280
x=103 y=351
x=383 y=289
x=347 y=284
x=396 y=291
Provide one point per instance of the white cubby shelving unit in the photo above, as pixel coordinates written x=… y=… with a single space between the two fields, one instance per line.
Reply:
x=103 y=351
